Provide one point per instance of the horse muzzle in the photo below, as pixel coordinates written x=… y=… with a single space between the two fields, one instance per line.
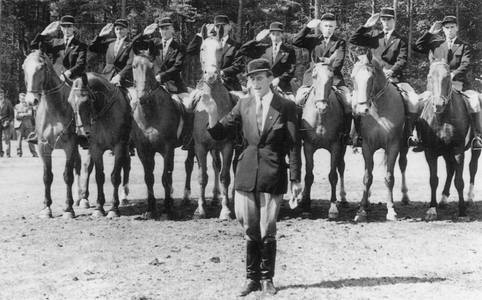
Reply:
x=362 y=109
x=32 y=99
x=321 y=106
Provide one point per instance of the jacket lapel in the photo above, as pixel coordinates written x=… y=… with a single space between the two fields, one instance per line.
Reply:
x=122 y=48
x=456 y=45
x=252 y=114
x=273 y=114
x=70 y=46
x=390 y=41
x=328 y=46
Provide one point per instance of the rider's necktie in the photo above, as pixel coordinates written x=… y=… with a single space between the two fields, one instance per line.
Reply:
x=259 y=115
x=275 y=52
x=164 y=49
x=117 y=46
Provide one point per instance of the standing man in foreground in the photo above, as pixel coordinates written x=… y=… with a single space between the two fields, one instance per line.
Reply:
x=6 y=116
x=270 y=127
x=393 y=50
x=458 y=55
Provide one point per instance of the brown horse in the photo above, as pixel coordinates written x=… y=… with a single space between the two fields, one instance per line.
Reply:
x=103 y=112
x=211 y=84
x=445 y=127
x=157 y=127
x=54 y=125
x=381 y=107
x=321 y=128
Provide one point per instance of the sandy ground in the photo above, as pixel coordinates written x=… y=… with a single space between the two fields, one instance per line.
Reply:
x=130 y=258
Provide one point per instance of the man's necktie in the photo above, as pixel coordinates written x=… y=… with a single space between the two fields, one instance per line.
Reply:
x=164 y=48
x=275 y=52
x=259 y=116
x=386 y=37
x=117 y=46
x=66 y=43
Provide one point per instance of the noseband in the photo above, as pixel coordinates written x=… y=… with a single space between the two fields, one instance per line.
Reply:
x=92 y=99
x=47 y=74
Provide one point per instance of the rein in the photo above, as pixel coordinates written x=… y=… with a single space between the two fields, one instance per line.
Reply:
x=378 y=95
x=109 y=104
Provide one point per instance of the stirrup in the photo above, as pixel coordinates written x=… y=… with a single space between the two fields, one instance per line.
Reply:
x=347 y=140
x=357 y=142
x=476 y=143
x=32 y=138
x=412 y=141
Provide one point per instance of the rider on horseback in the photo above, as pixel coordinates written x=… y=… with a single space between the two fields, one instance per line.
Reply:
x=393 y=49
x=326 y=45
x=458 y=55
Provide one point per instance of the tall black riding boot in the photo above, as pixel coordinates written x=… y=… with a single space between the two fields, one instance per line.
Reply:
x=477 y=141
x=188 y=141
x=253 y=260
x=347 y=118
x=268 y=260
x=357 y=142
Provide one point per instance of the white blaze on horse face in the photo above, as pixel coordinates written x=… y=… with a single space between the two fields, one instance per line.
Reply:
x=322 y=83
x=440 y=86
x=210 y=56
x=139 y=71
x=33 y=80
x=361 y=91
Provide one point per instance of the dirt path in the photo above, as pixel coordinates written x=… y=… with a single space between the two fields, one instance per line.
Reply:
x=129 y=258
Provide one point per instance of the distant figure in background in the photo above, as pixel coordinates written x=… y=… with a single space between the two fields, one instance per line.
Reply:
x=6 y=116
x=24 y=124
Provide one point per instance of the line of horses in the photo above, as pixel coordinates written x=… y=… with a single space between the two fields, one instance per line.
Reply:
x=155 y=122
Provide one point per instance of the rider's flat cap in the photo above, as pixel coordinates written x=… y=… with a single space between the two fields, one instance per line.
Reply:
x=67 y=20
x=221 y=20
x=276 y=26
x=449 y=19
x=166 y=22
x=328 y=17
x=387 y=12
x=121 y=22
x=258 y=65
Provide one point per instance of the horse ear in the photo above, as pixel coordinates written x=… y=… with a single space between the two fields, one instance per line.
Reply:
x=204 y=31
x=314 y=58
x=369 y=55
x=220 y=32
x=42 y=47
x=85 y=81
x=332 y=58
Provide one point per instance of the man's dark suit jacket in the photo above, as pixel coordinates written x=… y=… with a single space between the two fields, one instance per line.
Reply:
x=72 y=59
x=231 y=62
x=120 y=64
x=394 y=53
x=284 y=65
x=315 y=44
x=458 y=58
x=262 y=166
x=169 y=67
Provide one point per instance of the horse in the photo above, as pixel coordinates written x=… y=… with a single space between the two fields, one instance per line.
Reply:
x=321 y=128
x=381 y=107
x=102 y=111
x=445 y=130
x=157 y=127
x=54 y=124
x=212 y=84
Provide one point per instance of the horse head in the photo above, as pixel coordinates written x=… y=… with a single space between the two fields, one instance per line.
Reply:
x=39 y=76
x=143 y=74
x=211 y=49
x=439 y=83
x=323 y=77
x=81 y=99
x=369 y=82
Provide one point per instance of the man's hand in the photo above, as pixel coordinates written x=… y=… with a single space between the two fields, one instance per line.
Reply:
x=388 y=73
x=372 y=20
x=150 y=29
x=262 y=35
x=106 y=30
x=436 y=27
x=116 y=80
x=209 y=29
x=275 y=82
x=158 y=78
x=211 y=108
x=51 y=29
x=313 y=23
x=296 y=194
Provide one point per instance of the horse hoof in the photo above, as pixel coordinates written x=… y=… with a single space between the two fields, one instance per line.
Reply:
x=405 y=200
x=344 y=204
x=361 y=217
x=68 y=215
x=149 y=215
x=45 y=213
x=225 y=215
x=113 y=214
x=306 y=215
x=333 y=216
x=199 y=216
x=333 y=212
x=392 y=217
x=443 y=205
x=98 y=214
x=77 y=202
x=84 y=203
x=124 y=202
x=469 y=203
x=187 y=195
x=431 y=217
x=165 y=217
x=464 y=219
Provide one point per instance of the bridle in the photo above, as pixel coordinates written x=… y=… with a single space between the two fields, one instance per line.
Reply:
x=148 y=87
x=372 y=97
x=47 y=74
x=445 y=99
x=92 y=99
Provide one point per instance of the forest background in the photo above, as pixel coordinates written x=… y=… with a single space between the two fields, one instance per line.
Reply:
x=21 y=20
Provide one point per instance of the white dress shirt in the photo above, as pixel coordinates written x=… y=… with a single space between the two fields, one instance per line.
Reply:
x=266 y=103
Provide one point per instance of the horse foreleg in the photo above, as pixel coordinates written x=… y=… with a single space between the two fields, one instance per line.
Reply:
x=71 y=152
x=126 y=169
x=146 y=155
x=167 y=182
x=217 y=169
x=341 y=172
x=361 y=215
x=459 y=185
x=77 y=186
x=473 y=166
x=305 y=203
x=333 y=178
x=432 y=165
x=201 y=156
x=99 y=180
x=120 y=154
x=227 y=152
x=48 y=178
x=402 y=163
x=188 y=167
x=84 y=191
x=450 y=170
x=392 y=154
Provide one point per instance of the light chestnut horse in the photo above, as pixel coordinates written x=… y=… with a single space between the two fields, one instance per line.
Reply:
x=321 y=128
x=54 y=124
x=381 y=107
x=445 y=130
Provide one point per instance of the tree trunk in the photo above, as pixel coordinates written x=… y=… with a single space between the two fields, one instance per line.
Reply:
x=374 y=6
x=317 y=14
x=239 y=31
x=410 y=28
x=395 y=7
